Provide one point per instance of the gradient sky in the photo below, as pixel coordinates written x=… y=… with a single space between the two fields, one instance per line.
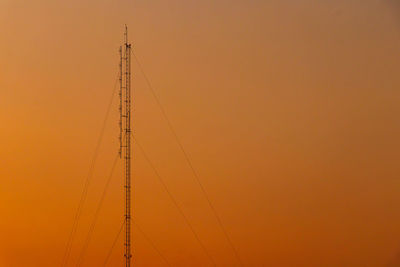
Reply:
x=289 y=110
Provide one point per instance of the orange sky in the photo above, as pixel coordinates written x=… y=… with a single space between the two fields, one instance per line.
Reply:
x=289 y=111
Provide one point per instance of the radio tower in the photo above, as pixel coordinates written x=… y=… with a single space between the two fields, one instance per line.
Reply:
x=125 y=140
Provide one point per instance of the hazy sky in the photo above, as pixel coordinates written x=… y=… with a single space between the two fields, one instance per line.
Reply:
x=289 y=110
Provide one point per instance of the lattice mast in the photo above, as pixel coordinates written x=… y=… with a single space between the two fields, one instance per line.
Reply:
x=125 y=138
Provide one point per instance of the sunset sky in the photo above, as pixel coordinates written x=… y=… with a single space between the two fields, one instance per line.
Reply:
x=289 y=111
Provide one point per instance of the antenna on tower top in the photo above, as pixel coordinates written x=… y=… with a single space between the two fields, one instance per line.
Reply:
x=126 y=34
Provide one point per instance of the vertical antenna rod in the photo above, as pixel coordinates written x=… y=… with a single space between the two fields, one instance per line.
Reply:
x=127 y=146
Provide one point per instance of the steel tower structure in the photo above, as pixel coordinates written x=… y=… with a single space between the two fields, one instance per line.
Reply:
x=125 y=138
